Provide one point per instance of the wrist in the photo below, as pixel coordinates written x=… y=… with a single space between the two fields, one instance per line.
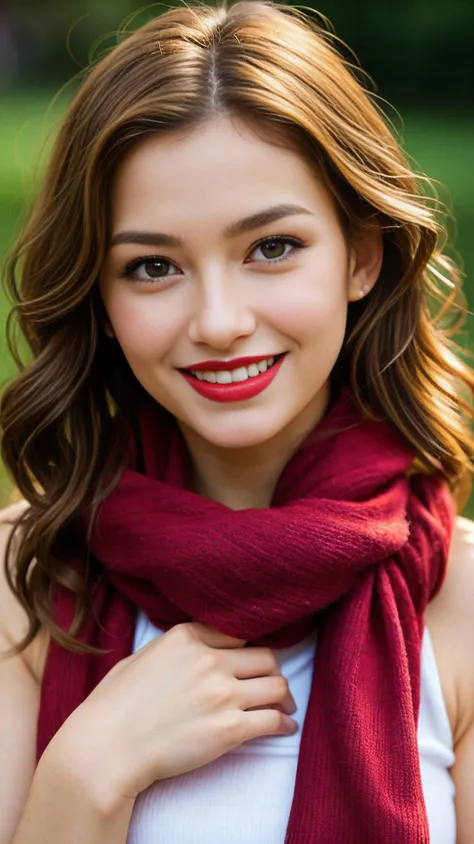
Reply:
x=87 y=771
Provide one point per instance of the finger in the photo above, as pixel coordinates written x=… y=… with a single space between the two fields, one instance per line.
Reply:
x=258 y=662
x=288 y=704
x=264 y=722
x=265 y=692
x=288 y=710
x=245 y=663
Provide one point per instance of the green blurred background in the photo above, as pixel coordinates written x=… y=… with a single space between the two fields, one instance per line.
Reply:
x=418 y=52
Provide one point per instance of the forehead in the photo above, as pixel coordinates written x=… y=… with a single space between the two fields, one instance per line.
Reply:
x=219 y=168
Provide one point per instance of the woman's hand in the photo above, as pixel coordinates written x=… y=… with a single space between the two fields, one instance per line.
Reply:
x=186 y=698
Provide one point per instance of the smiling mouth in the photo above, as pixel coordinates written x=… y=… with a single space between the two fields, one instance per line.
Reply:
x=235 y=376
x=234 y=385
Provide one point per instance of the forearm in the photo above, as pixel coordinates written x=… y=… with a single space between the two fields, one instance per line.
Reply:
x=67 y=806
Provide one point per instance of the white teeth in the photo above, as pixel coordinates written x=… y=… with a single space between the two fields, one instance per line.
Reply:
x=226 y=376
x=240 y=374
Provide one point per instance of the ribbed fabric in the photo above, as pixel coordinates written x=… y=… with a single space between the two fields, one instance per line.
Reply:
x=351 y=546
x=224 y=802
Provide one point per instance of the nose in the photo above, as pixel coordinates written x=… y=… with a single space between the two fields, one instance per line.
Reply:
x=221 y=315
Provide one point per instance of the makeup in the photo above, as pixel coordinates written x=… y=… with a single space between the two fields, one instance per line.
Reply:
x=235 y=380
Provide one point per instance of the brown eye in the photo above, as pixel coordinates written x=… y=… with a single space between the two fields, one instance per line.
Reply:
x=274 y=249
x=149 y=269
x=155 y=269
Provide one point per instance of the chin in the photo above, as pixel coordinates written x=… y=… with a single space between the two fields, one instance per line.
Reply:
x=238 y=434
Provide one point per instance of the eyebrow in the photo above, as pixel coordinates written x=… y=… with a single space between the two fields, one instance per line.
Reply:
x=247 y=224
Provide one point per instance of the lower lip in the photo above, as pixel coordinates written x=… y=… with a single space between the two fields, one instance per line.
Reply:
x=235 y=392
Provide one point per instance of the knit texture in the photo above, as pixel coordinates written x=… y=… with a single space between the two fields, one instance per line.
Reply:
x=352 y=544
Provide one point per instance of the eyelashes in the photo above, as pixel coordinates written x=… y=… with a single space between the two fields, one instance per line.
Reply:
x=154 y=263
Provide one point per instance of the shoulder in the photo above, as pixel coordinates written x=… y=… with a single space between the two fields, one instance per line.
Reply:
x=13 y=618
x=450 y=620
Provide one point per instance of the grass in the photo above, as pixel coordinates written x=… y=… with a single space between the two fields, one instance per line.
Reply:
x=440 y=145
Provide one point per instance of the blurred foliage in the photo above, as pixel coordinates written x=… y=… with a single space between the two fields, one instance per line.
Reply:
x=416 y=50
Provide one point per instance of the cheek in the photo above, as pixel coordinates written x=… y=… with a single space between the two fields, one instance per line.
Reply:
x=313 y=311
x=143 y=327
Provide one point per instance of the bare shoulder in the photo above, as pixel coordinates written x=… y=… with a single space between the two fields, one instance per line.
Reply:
x=450 y=620
x=19 y=694
x=457 y=592
x=13 y=619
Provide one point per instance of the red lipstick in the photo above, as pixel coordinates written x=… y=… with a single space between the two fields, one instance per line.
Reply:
x=239 y=391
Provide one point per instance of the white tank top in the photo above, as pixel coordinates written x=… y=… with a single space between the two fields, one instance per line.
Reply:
x=245 y=796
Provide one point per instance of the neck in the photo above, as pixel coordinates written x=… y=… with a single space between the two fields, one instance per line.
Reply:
x=244 y=478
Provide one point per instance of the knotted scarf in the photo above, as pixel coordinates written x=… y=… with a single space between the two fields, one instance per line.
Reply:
x=353 y=544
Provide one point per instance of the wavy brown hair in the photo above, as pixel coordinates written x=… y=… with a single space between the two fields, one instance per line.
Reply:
x=277 y=68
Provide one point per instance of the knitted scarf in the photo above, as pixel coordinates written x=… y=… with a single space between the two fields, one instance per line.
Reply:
x=353 y=544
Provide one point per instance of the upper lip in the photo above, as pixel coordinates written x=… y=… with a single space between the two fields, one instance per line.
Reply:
x=228 y=364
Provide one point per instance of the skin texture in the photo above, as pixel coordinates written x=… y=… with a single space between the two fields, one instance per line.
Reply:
x=220 y=298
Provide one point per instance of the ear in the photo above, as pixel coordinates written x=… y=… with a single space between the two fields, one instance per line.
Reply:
x=108 y=330
x=365 y=263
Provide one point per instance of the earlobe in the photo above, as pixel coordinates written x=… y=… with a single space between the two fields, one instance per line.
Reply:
x=108 y=330
x=365 y=264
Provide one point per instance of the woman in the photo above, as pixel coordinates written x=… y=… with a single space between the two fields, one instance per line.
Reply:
x=240 y=443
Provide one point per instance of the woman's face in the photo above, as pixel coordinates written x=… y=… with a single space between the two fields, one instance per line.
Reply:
x=224 y=247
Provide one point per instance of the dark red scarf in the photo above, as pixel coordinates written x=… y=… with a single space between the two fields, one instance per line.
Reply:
x=351 y=545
